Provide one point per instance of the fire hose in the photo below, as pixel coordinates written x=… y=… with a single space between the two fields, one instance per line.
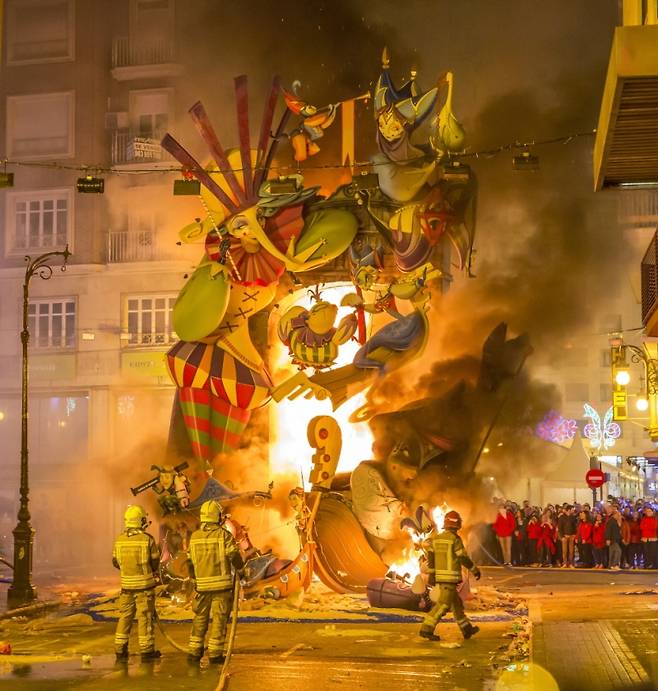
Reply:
x=169 y=639
x=223 y=675
x=231 y=637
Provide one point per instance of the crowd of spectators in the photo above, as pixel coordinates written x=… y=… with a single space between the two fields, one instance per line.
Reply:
x=617 y=534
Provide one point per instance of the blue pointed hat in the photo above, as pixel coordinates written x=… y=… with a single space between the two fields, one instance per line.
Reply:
x=409 y=101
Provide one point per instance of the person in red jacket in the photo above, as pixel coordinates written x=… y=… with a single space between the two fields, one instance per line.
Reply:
x=584 y=532
x=635 y=541
x=546 y=542
x=504 y=527
x=649 y=538
x=598 y=542
x=533 y=531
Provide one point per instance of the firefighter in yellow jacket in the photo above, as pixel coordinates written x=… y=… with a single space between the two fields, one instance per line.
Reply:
x=137 y=556
x=446 y=556
x=213 y=551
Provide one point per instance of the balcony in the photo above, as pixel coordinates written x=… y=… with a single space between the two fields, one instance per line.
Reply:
x=626 y=146
x=131 y=150
x=133 y=58
x=649 y=271
x=638 y=209
x=138 y=246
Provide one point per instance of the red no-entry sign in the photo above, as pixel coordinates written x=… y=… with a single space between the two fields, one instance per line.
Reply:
x=595 y=478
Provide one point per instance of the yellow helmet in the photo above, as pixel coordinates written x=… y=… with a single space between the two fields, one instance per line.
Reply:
x=135 y=517
x=211 y=511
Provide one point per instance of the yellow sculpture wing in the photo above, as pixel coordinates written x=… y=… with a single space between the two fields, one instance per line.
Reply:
x=283 y=327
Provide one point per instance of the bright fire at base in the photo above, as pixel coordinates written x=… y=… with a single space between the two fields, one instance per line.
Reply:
x=289 y=449
x=408 y=566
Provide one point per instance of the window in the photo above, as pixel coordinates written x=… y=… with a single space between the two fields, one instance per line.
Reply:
x=575 y=357
x=38 y=220
x=59 y=428
x=605 y=393
x=606 y=359
x=40 y=125
x=40 y=31
x=149 y=320
x=149 y=112
x=576 y=393
x=52 y=323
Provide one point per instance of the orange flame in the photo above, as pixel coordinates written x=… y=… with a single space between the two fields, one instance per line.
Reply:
x=289 y=450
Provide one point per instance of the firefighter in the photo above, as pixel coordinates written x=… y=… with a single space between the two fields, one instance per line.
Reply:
x=446 y=556
x=137 y=556
x=213 y=551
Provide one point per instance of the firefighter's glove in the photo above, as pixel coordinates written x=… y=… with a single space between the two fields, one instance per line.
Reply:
x=477 y=573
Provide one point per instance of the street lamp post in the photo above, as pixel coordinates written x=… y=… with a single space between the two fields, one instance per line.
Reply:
x=622 y=378
x=21 y=591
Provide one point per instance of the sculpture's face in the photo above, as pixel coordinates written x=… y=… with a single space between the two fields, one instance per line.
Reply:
x=401 y=470
x=296 y=502
x=166 y=478
x=365 y=277
x=390 y=126
x=246 y=227
x=321 y=317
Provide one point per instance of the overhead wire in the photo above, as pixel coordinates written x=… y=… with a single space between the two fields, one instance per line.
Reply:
x=484 y=153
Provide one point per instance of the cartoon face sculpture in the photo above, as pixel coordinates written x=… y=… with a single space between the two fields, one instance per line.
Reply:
x=246 y=227
x=390 y=125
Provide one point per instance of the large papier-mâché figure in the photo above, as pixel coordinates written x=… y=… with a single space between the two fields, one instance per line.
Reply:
x=255 y=229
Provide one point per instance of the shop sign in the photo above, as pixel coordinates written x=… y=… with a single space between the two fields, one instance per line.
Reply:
x=141 y=364
x=53 y=366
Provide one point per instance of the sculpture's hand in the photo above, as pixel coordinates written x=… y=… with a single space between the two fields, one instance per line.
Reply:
x=296 y=386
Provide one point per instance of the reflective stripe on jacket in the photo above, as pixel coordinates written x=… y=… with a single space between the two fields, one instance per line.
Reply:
x=212 y=549
x=449 y=557
x=135 y=551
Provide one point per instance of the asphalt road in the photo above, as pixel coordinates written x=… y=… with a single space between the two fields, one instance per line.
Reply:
x=582 y=621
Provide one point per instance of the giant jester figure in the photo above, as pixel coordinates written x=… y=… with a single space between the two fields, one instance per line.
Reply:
x=255 y=229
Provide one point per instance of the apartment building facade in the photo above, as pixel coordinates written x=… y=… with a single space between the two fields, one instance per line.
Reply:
x=85 y=87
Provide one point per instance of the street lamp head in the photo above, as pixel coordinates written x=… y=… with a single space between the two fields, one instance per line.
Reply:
x=623 y=377
x=642 y=404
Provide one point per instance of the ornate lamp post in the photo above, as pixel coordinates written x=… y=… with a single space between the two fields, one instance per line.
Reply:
x=22 y=592
x=621 y=378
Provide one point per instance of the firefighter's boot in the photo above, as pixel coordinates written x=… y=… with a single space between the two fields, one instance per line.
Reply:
x=151 y=655
x=470 y=630
x=428 y=633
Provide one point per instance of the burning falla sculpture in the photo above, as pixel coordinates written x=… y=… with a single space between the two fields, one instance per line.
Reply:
x=365 y=520
x=256 y=228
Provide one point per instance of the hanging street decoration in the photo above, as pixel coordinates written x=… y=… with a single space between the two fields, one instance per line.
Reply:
x=602 y=434
x=556 y=428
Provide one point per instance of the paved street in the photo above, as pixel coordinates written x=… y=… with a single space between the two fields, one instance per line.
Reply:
x=591 y=629
x=587 y=631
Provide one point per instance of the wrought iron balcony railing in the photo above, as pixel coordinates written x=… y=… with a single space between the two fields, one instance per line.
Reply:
x=650 y=280
x=127 y=52
x=136 y=246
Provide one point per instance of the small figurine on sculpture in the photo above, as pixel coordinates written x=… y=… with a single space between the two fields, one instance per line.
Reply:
x=310 y=334
x=171 y=485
